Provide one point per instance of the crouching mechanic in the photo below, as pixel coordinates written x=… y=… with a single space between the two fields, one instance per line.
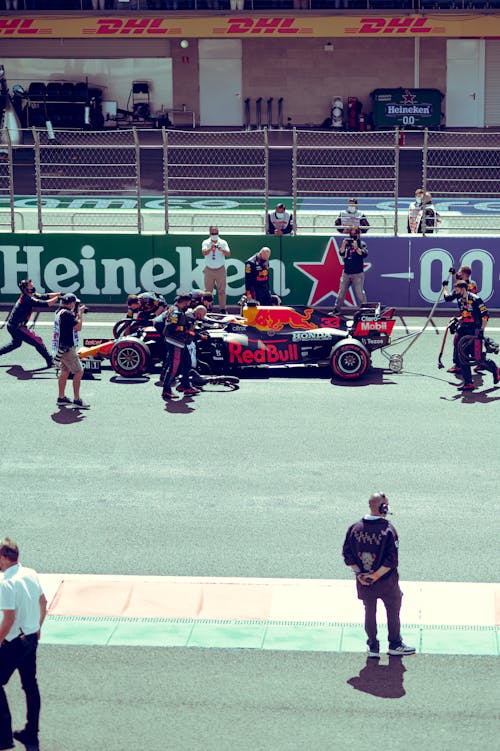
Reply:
x=178 y=333
x=371 y=550
x=469 y=336
x=67 y=324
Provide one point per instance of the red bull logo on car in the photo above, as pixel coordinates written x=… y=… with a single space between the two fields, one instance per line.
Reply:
x=267 y=318
x=263 y=353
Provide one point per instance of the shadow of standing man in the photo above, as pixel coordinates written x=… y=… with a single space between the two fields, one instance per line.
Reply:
x=385 y=681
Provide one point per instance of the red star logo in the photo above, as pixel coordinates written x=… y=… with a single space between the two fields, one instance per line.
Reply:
x=326 y=275
x=408 y=97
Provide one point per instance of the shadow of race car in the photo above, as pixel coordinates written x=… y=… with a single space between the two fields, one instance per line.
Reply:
x=264 y=336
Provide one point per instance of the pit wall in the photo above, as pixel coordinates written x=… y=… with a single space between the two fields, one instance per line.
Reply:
x=400 y=271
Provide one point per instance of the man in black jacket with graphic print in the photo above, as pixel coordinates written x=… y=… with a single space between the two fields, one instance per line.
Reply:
x=371 y=550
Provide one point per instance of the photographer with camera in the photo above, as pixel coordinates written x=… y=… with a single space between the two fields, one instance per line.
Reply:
x=215 y=250
x=353 y=251
x=67 y=324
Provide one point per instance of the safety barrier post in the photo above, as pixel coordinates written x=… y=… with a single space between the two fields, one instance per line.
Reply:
x=396 y=179
x=11 y=178
x=38 y=178
x=266 y=177
x=258 y=113
x=164 y=137
x=294 y=180
x=270 y=113
x=424 y=175
x=138 y=178
x=247 y=114
x=280 y=113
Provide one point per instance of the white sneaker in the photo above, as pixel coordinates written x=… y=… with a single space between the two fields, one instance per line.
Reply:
x=402 y=650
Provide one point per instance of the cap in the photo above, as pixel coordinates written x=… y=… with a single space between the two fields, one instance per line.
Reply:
x=69 y=298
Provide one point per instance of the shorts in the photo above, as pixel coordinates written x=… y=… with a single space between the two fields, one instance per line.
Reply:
x=70 y=361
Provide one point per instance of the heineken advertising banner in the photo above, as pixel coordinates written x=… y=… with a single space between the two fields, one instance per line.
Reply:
x=104 y=269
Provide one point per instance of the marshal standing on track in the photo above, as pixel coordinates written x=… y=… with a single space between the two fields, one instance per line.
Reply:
x=17 y=322
x=371 y=550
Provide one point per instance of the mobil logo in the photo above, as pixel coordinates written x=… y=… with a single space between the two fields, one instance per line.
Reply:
x=258 y=353
x=383 y=326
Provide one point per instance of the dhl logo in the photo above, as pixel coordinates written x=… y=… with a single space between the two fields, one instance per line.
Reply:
x=382 y=326
x=244 y=26
x=20 y=26
x=396 y=25
x=275 y=318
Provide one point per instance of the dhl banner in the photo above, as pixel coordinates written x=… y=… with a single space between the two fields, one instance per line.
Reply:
x=254 y=26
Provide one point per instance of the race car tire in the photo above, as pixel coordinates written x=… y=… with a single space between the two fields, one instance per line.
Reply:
x=349 y=359
x=130 y=357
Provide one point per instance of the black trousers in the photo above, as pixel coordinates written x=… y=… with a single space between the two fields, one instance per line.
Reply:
x=22 y=334
x=177 y=363
x=19 y=654
x=390 y=593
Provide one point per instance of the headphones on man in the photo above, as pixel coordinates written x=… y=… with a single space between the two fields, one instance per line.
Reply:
x=384 y=506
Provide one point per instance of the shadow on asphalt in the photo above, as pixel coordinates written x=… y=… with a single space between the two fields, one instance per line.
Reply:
x=385 y=681
x=27 y=375
x=67 y=415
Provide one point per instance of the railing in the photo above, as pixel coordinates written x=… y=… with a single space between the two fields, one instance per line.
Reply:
x=182 y=181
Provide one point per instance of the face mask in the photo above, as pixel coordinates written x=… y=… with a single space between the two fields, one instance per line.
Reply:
x=214 y=238
x=351 y=209
x=418 y=201
x=280 y=215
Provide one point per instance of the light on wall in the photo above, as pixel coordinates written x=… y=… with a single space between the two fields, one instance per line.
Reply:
x=328 y=47
x=184 y=44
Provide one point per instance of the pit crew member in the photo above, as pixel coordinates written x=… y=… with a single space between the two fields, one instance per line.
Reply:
x=469 y=337
x=178 y=333
x=17 y=322
x=257 y=277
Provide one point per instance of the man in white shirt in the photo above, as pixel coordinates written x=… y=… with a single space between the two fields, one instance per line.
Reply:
x=23 y=606
x=215 y=250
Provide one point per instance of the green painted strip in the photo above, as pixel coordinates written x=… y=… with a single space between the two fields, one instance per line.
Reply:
x=289 y=636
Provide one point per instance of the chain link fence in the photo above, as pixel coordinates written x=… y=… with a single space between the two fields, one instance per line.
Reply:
x=465 y=165
x=215 y=164
x=182 y=181
x=350 y=164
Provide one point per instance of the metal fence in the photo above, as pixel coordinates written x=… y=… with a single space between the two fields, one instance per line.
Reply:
x=327 y=163
x=183 y=181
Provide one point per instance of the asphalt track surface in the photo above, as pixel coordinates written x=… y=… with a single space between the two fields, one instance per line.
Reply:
x=259 y=482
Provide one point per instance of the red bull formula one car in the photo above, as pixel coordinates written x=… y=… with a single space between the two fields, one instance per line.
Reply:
x=264 y=337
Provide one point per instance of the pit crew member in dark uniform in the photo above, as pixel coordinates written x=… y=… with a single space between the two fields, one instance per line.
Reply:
x=352 y=217
x=354 y=251
x=17 y=322
x=257 y=277
x=464 y=274
x=178 y=333
x=279 y=221
x=371 y=550
x=150 y=306
x=469 y=337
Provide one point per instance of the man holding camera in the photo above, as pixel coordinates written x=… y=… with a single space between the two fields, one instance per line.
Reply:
x=353 y=251
x=371 y=550
x=67 y=324
x=215 y=250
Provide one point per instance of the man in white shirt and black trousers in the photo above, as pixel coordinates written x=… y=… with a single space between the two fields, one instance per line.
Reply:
x=23 y=606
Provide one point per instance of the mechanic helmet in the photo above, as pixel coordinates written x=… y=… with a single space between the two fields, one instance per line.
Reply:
x=24 y=284
x=68 y=299
x=147 y=301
